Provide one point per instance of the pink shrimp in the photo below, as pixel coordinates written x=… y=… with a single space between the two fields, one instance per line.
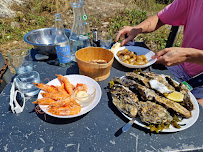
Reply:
x=55 y=96
x=61 y=89
x=46 y=88
x=68 y=85
x=80 y=87
x=70 y=109
x=62 y=102
x=43 y=101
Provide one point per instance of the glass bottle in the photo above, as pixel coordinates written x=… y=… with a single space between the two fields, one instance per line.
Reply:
x=79 y=37
x=84 y=17
x=62 y=43
x=96 y=41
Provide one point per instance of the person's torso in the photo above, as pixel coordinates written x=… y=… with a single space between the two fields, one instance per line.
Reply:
x=193 y=34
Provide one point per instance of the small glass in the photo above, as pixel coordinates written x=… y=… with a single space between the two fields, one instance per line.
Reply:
x=21 y=60
x=85 y=100
x=24 y=83
x=105 y=41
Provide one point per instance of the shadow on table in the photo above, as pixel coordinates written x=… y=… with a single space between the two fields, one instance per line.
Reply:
x=54 y=120
x=73 y=69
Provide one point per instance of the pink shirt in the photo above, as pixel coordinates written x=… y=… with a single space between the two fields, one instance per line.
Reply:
x=190 y=14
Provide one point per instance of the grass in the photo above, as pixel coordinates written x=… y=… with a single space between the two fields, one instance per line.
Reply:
x=40 y=13
x=26 y=21
x=124 y=18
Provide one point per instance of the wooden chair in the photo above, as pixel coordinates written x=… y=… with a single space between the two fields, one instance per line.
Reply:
x=172 y=36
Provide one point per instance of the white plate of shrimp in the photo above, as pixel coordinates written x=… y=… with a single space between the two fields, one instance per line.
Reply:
x=55 y=97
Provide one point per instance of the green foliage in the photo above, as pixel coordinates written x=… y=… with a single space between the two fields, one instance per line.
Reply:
x=28 y=19
x=159 y=38
x=125 y=18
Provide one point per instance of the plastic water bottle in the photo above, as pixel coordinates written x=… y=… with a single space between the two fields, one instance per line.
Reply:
x=62 y=43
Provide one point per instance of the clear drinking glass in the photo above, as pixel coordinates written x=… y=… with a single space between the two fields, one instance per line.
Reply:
x=21 y=60
x=105 y=41
x=24 y=83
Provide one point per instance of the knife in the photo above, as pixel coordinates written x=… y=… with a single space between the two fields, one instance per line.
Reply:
x=128 y=125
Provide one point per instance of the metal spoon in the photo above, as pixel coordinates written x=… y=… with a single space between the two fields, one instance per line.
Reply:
x=128 y=125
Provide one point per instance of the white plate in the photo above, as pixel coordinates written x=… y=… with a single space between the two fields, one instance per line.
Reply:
x=74 y=79
x=188 y=122
x=139 y=51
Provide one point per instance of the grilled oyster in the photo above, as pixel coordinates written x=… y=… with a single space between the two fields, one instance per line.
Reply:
x=138 y=78
x=131 y=84
x=187 y=101
x=152 y=113
x=148 y=94
x=125 y=100
x=160 y=78
x=172 y=82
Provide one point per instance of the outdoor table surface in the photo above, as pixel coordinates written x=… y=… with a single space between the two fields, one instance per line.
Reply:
x=98 y=130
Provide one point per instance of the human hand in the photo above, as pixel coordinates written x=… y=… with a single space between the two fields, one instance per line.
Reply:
x=171 y=56
x=131 y=32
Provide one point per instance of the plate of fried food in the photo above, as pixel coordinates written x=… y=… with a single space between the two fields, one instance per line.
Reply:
x=134 y=56
x=68 y=96
x=135 y=97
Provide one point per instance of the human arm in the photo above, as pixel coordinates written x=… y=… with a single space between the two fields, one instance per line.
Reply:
x=149 y=25
x=176 y=55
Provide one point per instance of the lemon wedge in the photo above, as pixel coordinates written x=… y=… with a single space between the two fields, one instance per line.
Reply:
x=175 y=96
x=115 y=47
